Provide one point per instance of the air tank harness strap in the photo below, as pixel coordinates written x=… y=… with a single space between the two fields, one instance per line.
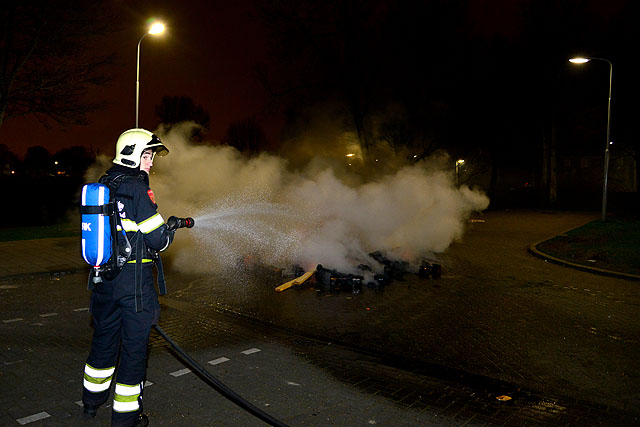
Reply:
x=106 y=209
x=162 y=284
x=138 y=270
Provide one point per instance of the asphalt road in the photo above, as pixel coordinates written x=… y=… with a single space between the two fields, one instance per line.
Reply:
x=497 y=311
x=561 y=343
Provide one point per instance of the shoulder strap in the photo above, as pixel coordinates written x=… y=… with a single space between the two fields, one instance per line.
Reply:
x=114 y=183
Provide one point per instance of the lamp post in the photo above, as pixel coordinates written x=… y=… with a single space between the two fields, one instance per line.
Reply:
x=156 y=28
x=608 y=142
x=459 y=163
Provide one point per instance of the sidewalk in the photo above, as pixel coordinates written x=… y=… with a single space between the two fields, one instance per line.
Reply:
x=562 y=343
x=43 y=256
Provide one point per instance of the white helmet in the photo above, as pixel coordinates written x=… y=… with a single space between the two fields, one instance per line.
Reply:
x=132 y=143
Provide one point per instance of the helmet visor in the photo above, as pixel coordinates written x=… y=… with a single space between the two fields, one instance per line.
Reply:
x=157 y=146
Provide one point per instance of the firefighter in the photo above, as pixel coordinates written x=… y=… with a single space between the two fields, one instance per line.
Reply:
x=125 y=308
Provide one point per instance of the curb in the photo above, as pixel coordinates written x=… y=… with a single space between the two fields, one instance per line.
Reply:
x=52 y=273
x=533 y=250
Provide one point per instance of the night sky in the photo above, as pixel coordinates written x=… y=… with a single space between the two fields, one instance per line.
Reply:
x=208 y=53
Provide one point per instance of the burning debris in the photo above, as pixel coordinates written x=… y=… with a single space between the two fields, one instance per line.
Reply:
x=332 y=281
x=427 y=269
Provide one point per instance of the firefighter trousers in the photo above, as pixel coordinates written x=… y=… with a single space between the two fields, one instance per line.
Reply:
x=121 y=332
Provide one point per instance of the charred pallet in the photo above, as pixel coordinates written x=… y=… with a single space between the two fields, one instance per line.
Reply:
x=335 y=281
x=428 y=269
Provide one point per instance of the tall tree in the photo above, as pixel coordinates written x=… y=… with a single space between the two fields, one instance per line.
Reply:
x=323 y=50
x=72 y=161
x=8 y=160
x=45 y=64
x=37 y=161
x=246 y=135
x=177 y=109
x=364 y=55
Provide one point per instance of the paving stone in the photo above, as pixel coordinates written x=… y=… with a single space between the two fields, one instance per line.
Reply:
x=561 y=342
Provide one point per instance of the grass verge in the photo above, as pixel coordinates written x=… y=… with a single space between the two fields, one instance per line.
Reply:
x=39 y=232
x=611 y=245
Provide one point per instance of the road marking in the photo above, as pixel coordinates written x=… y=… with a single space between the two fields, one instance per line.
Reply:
x=8 y=287
x=180 y=372
x=13 y=320
x=250 y=351
x=148 y=383
x=32 y=418
x=80 y=404
x=218 y=361
x=48 y=314
x=81 y=309
x=292 y=383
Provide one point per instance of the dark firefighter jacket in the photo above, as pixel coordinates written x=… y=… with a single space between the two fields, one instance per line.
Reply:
x=145 y=227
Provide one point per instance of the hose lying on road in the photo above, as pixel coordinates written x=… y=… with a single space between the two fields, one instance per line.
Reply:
x=220 y=387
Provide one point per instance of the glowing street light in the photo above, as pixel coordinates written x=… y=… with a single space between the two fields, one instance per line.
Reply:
x=580 y=60
x=155 y=29
x=459 y=163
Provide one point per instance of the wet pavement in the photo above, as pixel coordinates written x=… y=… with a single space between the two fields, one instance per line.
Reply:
x=561 y=343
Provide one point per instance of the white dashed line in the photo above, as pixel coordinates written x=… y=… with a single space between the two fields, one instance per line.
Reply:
x=48 y=314
x=8 y=287
x=13 y=320
x=80 y=404
x=81 y=309
x=218 y=361
x=250 y=351
x=32 y=418
x=180 y=372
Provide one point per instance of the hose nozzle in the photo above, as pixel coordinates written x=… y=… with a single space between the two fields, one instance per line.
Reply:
x=173 y=223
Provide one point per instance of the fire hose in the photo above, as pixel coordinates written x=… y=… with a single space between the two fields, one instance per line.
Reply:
x=175 y=223
x=219 y=386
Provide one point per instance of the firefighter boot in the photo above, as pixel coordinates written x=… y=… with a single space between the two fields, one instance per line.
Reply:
x=142 y=421
x=89 y=411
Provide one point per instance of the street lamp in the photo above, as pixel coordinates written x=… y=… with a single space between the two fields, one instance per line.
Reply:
x=459 y=163
x=607 y=143
x=155 y=29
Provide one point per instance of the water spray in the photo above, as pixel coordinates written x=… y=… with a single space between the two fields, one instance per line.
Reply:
x=173 y=223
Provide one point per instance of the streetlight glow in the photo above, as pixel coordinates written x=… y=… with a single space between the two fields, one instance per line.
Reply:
x=579 y=60
x=156 y=28
x=608 y=142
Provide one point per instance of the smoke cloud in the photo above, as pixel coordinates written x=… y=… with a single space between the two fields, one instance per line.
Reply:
x=257 y=209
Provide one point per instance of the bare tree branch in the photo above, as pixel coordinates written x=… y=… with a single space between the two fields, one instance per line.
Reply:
x=46 y=66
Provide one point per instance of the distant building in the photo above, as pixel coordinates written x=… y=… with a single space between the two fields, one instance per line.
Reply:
x=585 y=173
